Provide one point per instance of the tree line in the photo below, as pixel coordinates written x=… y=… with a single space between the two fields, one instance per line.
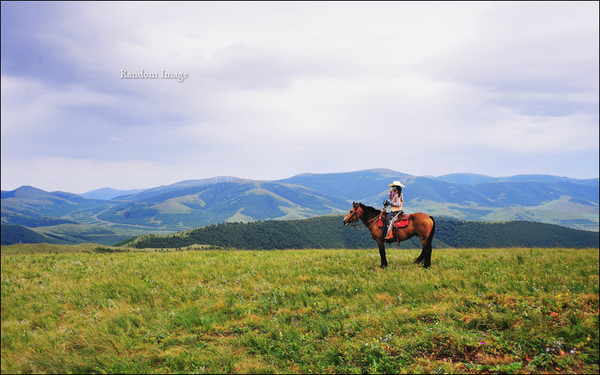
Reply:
x=327 y=232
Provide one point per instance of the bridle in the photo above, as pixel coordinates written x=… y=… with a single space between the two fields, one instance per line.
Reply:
x=350 y=217
x=352 y=220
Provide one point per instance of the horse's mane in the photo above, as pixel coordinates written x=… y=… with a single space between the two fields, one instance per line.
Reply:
x=370 y=209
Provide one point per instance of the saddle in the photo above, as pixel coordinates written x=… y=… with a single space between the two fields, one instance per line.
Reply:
x=401 y=220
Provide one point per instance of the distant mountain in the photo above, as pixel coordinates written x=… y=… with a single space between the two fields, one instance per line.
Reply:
x=108 y=193
x=195 y=203
x=472 y=178
x=540 y=198
x=465 y=178
x=34 y=207
x=370 y=185
x=236 y=201
x=179 y=185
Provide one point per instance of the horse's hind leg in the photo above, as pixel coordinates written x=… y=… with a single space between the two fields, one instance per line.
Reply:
x=427 y=261
x=427 y=241
x=421 y=258
x=425 y=257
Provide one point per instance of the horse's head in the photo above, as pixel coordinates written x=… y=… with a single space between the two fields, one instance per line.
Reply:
x=354 y=214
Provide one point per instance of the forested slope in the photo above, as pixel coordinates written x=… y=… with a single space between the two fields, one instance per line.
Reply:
x=329 y=232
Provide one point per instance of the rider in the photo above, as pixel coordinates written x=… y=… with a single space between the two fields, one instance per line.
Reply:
x=397 y=199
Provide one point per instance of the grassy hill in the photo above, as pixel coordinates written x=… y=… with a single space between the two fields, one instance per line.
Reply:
x=327 y=311
x=12 y=234
x=66 y=234
x=328 y=232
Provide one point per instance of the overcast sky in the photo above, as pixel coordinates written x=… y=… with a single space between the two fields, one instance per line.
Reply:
x=278 y=89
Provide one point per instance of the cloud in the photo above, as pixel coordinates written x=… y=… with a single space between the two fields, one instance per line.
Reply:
x=276 y=89
x=535 y=59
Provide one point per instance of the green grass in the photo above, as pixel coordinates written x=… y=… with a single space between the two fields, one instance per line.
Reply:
x=48 y=249
x=319 y=311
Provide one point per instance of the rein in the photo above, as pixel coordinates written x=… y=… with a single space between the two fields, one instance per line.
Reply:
x=369 y=223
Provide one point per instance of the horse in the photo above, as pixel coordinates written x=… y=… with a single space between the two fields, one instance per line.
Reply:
x=419 y=224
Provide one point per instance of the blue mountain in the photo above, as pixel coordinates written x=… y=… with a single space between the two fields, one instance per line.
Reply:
x=194 y=203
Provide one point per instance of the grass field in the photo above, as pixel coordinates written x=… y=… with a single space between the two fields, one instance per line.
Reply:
x=305 y=311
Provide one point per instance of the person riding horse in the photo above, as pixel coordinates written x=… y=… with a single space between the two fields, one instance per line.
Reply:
x=397 y=200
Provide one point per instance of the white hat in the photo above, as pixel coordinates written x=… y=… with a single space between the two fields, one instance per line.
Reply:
x=396 y=183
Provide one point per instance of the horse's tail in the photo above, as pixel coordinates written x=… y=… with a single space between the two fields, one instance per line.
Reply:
x=430 y=238
x=425 y=256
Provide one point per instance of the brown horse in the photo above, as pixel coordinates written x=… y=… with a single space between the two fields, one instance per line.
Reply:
x=419 y=224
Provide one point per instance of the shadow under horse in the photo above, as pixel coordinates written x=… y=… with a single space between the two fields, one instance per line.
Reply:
x=419 y=224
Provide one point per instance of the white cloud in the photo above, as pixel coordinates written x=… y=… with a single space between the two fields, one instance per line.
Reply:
x=283 y=88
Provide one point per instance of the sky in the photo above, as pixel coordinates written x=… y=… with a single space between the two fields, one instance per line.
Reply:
x=275 y=89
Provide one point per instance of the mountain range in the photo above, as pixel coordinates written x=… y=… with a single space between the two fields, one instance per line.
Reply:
x=190 y=204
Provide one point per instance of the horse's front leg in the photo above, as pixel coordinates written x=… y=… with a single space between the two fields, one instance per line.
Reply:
x=377 y=234
x=382 y=254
